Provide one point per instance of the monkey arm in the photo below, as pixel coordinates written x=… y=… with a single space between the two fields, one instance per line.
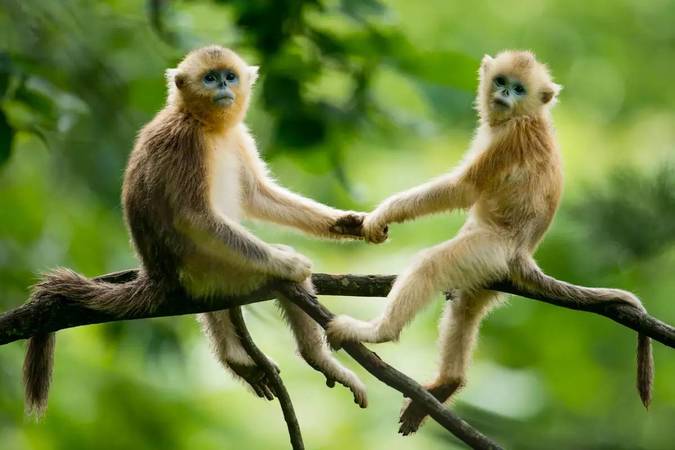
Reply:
x=223 y=238
x=269 y=201
x=441 y=194
x=266 y=200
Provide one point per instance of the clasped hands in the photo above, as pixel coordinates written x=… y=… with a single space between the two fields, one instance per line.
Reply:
x=367 y=226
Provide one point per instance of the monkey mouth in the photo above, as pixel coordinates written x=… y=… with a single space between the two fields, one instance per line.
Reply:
x=224 y=100
x=501 y=103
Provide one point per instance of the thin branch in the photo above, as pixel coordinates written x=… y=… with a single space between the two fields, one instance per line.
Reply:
x=389 y=375
x=280 y=391
x=54 y=314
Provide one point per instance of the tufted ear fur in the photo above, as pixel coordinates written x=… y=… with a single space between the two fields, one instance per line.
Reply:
x=170 y=76
x=252 y=74
x=486 y=62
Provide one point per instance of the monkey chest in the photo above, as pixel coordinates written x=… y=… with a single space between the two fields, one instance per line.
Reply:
x=225 y=183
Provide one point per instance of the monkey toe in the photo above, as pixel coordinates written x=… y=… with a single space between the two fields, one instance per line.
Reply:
x=360 y=397
x=256 y=378
x=411 y=418
x=263 y=388
x=358 y=391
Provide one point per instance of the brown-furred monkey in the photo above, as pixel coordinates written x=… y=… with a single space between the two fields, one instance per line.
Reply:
x=193 y=174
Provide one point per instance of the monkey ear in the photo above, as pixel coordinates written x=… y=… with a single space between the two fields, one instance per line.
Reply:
x=252 y=74
x=486 y=62
x=180 y=79
x=174 y=77
x=549 y=93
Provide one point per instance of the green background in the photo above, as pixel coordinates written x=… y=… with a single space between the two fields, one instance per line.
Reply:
x=357 y=100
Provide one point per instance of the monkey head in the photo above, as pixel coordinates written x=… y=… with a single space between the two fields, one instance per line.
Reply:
x=514 y=84
x=213 y=83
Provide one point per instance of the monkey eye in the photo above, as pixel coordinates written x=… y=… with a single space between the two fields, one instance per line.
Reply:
x=519 y=89
x=231 y=76
x=209 y=77
x=500 y=81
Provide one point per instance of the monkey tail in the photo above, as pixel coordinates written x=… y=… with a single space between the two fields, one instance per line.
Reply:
x=645 y=369
x=527 y=275
x=137 y=295
x=37 y=372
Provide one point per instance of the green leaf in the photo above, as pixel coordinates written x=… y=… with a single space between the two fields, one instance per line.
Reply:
x=39 y=102
x=5 y=68
x=6 y=138
x=439 y=67
x=359 y=9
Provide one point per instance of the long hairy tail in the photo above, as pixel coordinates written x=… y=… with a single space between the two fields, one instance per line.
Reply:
x=140 y=294
x=527 y=275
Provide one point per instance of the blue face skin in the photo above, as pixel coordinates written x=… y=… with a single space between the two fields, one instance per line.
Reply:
x=221 y=83
x=507 y=91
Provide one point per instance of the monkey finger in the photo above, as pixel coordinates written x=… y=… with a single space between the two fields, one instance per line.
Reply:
x=330 y=382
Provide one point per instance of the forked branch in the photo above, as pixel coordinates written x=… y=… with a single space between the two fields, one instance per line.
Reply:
x=294 y=433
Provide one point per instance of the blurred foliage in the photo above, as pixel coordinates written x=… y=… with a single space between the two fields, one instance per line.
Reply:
x=357 y=99
x=634 y=216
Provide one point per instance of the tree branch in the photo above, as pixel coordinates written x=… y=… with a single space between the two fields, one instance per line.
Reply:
x=58 y=313
x=280 y=391
x=389 y=375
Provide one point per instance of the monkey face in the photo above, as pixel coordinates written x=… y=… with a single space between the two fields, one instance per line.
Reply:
x=507 y=92
x=222 y=84
x=513 y=84
x=213 y=82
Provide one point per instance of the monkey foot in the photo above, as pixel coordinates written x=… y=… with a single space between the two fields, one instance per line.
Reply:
x=257 y=378
x=413 y=414
x=348 y=380
x=358 y=391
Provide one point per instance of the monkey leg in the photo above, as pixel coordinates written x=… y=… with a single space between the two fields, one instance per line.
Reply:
x=313 y=348
x=458 y=332
x=466 y=262
x=232 y=355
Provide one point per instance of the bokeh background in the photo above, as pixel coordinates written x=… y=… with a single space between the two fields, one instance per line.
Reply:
x=358 y=99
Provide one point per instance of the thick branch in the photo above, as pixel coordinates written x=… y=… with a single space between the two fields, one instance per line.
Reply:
x=389 y=375
x=58 y=313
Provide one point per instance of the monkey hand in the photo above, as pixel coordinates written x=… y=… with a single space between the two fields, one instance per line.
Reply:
x=289 y=264
x=349 y=225
x=374 y=231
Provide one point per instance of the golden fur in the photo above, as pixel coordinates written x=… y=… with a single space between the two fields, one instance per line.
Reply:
x=511 y=182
